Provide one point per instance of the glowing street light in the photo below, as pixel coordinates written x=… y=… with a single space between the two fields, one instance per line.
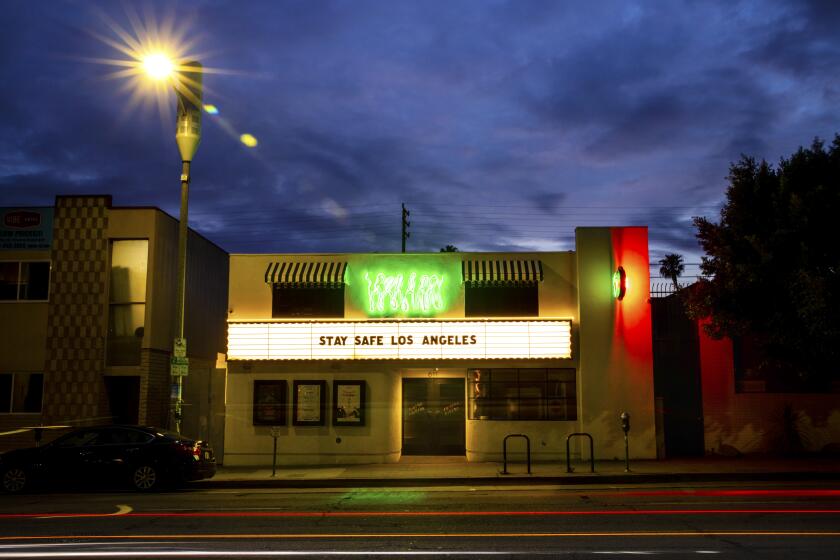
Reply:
x=158 y=66
x=186 y=80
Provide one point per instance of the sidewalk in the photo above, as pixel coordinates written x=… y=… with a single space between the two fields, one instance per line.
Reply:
x=450 y=471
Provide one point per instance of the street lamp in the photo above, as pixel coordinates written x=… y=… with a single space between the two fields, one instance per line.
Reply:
x=186 y=80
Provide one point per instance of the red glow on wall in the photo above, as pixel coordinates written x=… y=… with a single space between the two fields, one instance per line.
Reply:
x=632 y=320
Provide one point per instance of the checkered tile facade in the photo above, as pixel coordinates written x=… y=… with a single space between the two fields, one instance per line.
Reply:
x=77 y=324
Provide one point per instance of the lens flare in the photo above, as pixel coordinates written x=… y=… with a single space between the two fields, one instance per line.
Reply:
x=248 y=140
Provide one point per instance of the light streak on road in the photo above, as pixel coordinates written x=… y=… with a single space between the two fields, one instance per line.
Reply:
x=325 y=514
x=321 y=536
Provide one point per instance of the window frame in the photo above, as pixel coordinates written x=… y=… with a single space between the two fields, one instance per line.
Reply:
x=339 y=294
x=11 y=407
x=472 y=292
x=18 y=283
x=495 y=396
x=109 y=363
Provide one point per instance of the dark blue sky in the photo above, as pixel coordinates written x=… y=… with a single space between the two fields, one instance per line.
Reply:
x=501 y=124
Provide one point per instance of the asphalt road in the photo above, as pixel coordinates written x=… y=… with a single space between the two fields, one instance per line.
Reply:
x=676 y=521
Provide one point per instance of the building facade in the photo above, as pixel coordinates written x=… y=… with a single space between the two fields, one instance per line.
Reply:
x=364 y=358
x=87 y=299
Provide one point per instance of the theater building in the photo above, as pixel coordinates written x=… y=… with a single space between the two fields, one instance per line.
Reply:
x=365 y=358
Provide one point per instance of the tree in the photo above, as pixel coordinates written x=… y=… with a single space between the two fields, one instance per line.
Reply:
x=450 y=249
x=672 y=267
x=773 y=263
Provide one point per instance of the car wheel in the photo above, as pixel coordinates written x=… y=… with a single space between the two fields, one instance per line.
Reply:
x=15 y=479
x=145 y=478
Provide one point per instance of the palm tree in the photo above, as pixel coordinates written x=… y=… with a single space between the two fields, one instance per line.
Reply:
x=671 y=267
x=450 y=249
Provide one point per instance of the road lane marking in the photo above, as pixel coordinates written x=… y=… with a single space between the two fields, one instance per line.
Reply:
x=320 y=553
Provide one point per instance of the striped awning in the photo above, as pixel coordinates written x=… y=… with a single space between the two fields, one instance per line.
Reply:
x=306 y=274
x=501 y=272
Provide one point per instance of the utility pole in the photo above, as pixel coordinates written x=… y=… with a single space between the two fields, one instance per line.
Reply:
x=405 y=224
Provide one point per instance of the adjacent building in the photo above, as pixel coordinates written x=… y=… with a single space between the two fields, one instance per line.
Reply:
x=87 y=300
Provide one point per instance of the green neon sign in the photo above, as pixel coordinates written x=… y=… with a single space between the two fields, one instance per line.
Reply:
x=395 y=293
x=422 y=286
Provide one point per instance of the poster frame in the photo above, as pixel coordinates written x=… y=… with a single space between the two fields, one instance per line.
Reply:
x=262 y=387
x=322 y=405
x=362 y=403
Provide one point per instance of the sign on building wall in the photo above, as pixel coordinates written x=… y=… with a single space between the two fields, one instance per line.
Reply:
x=403 y=340
x=25 y=229
x=400 y=286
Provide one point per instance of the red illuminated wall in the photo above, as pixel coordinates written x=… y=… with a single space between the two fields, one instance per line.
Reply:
x=632 y=321
x=616 y=347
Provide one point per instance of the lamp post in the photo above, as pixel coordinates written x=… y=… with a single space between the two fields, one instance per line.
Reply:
x=188 y=90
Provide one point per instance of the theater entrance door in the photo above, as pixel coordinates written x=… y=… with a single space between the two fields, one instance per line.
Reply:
x=433 y=417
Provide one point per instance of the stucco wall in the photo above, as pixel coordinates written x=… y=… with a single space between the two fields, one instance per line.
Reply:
x=378 y=441
x=616 y=351
x=756 y=422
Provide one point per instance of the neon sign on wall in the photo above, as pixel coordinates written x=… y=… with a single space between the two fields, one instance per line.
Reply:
x=396 y=293
x=404 y=286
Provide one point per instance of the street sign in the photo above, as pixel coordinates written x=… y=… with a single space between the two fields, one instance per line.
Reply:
x=179 y=349
x=179 y=367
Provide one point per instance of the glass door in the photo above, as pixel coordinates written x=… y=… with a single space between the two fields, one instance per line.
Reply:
x=433 y=417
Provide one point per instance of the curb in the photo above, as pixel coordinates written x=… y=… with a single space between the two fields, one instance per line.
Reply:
x=516 y=479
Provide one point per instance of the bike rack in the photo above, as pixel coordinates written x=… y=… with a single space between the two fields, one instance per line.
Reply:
x=527 y=447
x=591 y=451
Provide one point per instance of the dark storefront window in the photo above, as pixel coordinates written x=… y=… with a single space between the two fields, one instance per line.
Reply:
x=307 y=302
x=501 y=301
x=24 y=281
x=21 y=392
x=522 y=394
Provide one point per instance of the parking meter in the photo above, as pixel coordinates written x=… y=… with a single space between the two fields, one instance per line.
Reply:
x=625 y=422
x=625 y=425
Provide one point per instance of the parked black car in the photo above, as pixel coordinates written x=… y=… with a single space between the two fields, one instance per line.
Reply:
x=144 y=458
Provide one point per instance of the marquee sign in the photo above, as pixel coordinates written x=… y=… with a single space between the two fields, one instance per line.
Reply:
x=403 y=340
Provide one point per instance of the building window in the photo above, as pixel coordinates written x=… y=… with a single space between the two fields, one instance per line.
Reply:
x=24 y=280
x=522 y=394
x=21 y=392
x=307 y=302
x=127 y=306
x=501 y=301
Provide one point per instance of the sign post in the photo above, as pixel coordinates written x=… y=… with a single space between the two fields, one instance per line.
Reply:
x=275 y=433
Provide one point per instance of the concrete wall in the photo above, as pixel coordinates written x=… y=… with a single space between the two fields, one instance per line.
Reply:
x=616 y=356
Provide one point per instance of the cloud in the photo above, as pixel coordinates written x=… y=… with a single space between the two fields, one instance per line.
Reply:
x=490 y=122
